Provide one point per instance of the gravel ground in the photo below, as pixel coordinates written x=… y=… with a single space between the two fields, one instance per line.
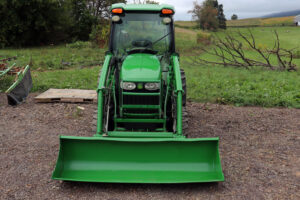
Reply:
x=259 y=149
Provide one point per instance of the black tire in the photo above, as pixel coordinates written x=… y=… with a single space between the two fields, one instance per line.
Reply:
x=185 y=117
x=183 y=81
x=111 y=111
x=171 y=111
x=110 y=118
x=94 y=121
x=185 y=122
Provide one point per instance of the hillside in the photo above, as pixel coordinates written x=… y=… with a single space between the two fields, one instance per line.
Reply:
x=250 y=22
x=283 y=14
x=185 y=24
x=276 y=21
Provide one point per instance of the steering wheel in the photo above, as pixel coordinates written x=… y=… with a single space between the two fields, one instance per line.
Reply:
x=142 y=43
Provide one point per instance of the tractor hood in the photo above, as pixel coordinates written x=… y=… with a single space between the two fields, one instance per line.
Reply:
x=141 y=67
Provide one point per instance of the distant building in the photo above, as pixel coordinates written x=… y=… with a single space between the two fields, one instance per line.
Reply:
x=297 y=20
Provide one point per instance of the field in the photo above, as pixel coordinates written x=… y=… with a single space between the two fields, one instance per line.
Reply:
x=269 y=22
x=56 y=57
x=250 y=22
x=75 y=67
x=247 y=87
x=186 y=24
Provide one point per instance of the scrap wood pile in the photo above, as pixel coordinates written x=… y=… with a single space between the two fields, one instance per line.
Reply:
x=19 y=90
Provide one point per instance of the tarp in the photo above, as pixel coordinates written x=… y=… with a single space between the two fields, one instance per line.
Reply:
x=21 y=88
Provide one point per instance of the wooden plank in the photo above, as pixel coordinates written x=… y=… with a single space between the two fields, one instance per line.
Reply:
x=67 y=95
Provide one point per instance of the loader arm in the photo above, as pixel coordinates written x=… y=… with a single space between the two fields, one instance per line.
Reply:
x=178 y=92
x=100 y=91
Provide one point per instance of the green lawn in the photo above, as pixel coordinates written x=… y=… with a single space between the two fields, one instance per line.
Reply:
x=73 y=78
x=265 y=40
x=216 y=84
x=242 y=87
x=55 y=57
x=265 y=37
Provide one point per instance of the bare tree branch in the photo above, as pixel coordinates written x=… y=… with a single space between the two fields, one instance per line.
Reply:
x=231 y=52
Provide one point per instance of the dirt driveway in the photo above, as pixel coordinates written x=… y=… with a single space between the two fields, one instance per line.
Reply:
x=259 y=147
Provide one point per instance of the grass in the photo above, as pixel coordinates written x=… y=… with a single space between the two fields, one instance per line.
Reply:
x=55 y=57
x=264 y=36
x=242 y=87
x=186 y=24
x=265 y=39
x=73 y=78
x=214 y=84
x=186 y=40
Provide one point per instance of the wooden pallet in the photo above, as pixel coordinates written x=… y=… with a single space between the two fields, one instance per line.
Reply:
x=67 y=95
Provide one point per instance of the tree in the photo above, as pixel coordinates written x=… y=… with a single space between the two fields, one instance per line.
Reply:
x=234 y=17
x=42 y=22
x=205 y=14
x=151 y=2
x=83 y=20
x=221 y=17
x=230 y=51
x=100 y=8
x=33 y=22
x=209 y=15
x=145 y=2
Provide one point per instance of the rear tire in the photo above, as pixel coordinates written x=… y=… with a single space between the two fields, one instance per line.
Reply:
x=183 y=82
x=185 y=122
x=185 y=118
x=94 y=121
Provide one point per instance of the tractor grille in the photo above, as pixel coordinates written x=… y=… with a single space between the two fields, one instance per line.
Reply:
x=140 y=111
x=140 y=100
x=142 y=90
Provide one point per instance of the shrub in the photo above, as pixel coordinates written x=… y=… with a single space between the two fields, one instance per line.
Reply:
x=204 y=38
x=79 y=45
x=296 y=54
x=99 y=35
x=262 y=46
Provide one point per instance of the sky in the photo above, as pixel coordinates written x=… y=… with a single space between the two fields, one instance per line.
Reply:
x=243 y=8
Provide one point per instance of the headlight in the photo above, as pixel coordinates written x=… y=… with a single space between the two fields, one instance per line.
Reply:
x=152 y=86
x=128 y=85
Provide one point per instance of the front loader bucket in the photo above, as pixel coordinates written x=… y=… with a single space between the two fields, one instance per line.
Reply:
x=138 y=160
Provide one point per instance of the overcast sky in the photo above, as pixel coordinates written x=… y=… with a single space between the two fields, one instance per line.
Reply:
x=243 y=8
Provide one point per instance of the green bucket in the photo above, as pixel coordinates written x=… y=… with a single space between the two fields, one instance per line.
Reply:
x=138 y=160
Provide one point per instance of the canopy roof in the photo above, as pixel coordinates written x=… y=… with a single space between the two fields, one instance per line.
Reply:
x=142 y=7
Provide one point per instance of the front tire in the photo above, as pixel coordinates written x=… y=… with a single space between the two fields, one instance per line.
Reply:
x=173 y=109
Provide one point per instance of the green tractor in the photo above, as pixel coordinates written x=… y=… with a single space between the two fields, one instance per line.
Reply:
x=141 y=118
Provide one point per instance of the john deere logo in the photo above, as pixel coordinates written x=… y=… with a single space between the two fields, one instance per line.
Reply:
x=140 y=86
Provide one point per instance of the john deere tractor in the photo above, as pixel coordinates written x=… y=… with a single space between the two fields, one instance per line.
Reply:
x=141 y=118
